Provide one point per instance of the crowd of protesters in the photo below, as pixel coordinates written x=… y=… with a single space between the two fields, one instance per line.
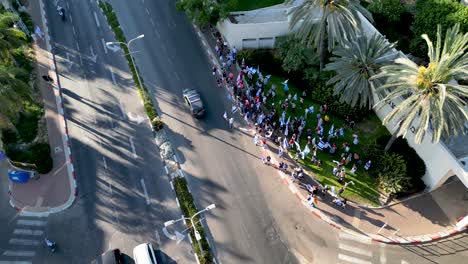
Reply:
x=256 y=100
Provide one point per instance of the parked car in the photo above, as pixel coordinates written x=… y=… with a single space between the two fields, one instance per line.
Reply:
x=144 y=254
x=193 y=99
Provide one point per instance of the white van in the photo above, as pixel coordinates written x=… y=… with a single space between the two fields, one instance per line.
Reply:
x=144 y=254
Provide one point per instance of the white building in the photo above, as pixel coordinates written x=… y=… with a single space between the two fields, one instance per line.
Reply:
x=260 y=28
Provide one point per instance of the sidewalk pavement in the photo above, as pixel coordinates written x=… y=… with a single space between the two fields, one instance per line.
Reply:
x=56 y=190
x=420 y=218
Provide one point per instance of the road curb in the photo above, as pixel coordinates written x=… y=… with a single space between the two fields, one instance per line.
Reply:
x=317 y=212
x=33 y=211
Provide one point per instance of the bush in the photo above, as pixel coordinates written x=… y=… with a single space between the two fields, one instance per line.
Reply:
x=23 y=61
x=324 y=94
x=447 y=14
x=188 y=208
x=391 y=9
x=157 y=123
x=9 y=136
x=416 y=168
x=392 y=174
x=37 y=154
x=27 y=21
x=267 y=59
x=295 y=55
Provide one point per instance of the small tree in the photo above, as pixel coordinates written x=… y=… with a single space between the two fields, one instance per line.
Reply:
x=295 y=55
x=391 y=171
x=390 y=9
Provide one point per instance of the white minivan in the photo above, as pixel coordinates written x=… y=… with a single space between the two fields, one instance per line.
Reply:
x=144 y=254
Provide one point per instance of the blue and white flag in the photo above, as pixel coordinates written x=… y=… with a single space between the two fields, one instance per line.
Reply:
x=305 y=151
x=285 y=143
x=332 y=128
x=298 y=147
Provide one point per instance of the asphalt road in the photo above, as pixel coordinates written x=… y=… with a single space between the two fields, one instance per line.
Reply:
x=257 y=220
x=124 y=194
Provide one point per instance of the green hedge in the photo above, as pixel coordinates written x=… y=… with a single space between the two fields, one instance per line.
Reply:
x=120 y=37
x=188 y=209
x=37 y=154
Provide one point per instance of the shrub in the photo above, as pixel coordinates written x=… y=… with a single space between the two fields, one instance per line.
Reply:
x=188 y=208
x=324 y=94
x=449 y=12
x=392 y=175
x=390 y=9
x=27 y=21
x=416 y=168
x=295 y=55
x=37 y=154
x=157 y=123
x=267 y=59
x=9 y=136
x=23 y=61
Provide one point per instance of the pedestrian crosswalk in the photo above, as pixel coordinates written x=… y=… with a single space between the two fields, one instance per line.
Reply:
x=358 y=249
x=354 y=249
x=25 y=239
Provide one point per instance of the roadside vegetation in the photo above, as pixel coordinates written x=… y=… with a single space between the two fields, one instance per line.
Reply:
x=23 y=131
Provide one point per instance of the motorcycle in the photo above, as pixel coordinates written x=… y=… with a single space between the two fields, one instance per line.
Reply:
x=50 y=244
x=61 y=12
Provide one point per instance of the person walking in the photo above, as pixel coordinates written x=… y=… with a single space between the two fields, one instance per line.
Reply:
x=231 y=122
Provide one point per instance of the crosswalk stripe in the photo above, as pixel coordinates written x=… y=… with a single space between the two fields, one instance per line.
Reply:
x=24 y=242
x=28 y=232
x=361 y=239
x=15 y=262
x=19 y=253
x=31 y=222
x=356 y=250
x=353 y=259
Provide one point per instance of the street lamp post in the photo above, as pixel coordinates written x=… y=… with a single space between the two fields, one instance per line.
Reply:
x=129 y=53
x=197 y=234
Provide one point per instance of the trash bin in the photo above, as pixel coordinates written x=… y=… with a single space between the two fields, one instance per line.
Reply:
x=19 y=176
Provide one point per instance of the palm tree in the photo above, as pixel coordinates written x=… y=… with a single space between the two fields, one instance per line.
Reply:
x=432 y=97
x=335 y=20
x=354 y=64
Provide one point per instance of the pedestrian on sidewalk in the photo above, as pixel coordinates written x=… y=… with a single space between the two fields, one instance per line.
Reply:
x=280 y=152
x=231 y=122
x=225 y=116
x=214 y=70
x=255 y=139
x=47 y=78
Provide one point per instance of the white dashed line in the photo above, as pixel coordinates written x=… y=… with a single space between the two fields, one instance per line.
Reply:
x=31 y=222
x=23 y=242
x=364 y=240
x=144 y=191
x=28 y=232
x=71 y=20
x=112 y=76
x=19 y=253
x=133 y=147
x=172 y=185
x=152 y=21
x=96 y=19
x=352 y=259
x=356 y=250
x=147 y=11
x=105 y=162
x=77 y=46
x=104 y=45
x=74 y=31
x=177 y=76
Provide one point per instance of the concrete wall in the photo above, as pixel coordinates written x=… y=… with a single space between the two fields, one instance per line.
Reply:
x=440 y=162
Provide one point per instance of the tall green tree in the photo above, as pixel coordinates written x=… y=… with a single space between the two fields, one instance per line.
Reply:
x=12 y=91
x=432 y=97
x=328 y=22
x=206 y=11
x=355 y=64
x=10 y=37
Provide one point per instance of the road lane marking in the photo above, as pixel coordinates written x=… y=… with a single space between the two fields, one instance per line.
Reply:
x=172 y=185
x=152 y=21
x=383 y=256
x=31 y=222
x=74 y=31
x=105 y=162
x=144 y=191
x=68 y=6
x=19 y=253
x=77 y=46
x=353 y=259
x=121 y=109
x=28 y=232
x=357 y=250
x=177 y=76
x=110 y=188
x=96 y=19
x=113 y=76
x=14 y=262
x=364 y=240
x=23 y=242
x=157 y=34
x=147 y=11
x=133 y=147
x=104 y=45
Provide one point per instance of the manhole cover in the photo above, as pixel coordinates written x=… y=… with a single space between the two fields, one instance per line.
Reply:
x=58 y=149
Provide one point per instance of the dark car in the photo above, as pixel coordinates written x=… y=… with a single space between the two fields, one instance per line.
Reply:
x=112 y=257
x=192 y=98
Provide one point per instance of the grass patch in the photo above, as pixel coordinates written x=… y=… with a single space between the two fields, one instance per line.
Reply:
x=365 y=190
x=108 y=11
x=245 y=5
x=188 y=209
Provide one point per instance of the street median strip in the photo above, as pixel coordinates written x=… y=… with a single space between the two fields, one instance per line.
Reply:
x=150 y=109
x=179 y=183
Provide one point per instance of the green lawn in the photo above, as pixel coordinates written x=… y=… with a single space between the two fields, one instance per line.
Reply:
x=365 y=190
x=245 y=5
